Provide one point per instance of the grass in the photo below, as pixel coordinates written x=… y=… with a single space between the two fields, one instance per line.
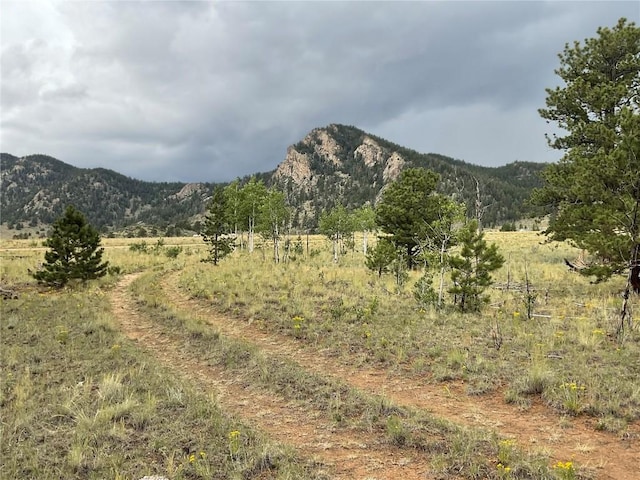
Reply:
x=80 y=401
x=455 y=450
x=350 y=311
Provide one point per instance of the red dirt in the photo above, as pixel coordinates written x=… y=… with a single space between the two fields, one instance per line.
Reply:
x=347 y=453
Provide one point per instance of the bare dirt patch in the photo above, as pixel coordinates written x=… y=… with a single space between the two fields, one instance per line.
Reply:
x=346 y=453
x=536 y=429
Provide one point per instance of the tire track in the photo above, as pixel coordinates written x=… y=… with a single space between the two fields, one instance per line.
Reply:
x=347 y=453
x=537 y=429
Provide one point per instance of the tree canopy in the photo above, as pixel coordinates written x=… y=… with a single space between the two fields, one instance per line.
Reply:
x=75 y=251
x=594 y=190
x=273 y=219
x=336 y=225
x=472 y=267
x=217 y=227
x=407 y=206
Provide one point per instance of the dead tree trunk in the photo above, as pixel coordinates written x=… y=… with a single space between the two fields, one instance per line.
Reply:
x=479 y=209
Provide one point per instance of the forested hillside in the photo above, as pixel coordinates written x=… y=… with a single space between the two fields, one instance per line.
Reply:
x=333 y=165
x=344 y=165
x=36 y=189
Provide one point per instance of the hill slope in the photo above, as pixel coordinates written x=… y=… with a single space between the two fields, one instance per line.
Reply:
x=333 y=165
x=343 y=164
x=36 y=189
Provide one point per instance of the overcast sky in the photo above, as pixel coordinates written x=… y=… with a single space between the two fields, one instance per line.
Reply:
x=209 y=91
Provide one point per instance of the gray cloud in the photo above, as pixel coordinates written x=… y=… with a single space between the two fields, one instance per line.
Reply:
x=199 y=91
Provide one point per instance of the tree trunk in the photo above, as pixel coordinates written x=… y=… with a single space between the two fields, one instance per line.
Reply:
x=633 y=283
x=442 y=270
x=215 y=249
x=479 y=210
x=364 y=242
x=276 y=246
x=250 y=235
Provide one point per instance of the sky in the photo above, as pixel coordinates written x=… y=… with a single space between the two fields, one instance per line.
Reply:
x=200 y=91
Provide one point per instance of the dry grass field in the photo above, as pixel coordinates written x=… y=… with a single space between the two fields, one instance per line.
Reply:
x=313 y=369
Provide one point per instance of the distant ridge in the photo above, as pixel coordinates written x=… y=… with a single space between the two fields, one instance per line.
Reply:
x=332 y=165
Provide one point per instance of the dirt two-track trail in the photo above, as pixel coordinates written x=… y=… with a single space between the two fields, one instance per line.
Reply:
x=352 y=454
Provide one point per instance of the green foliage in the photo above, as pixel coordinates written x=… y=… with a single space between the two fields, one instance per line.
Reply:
x=365 y=221
x=173 y=251
x=108 y=199
x=141 y=247
x=471 y=269
x=217 y=228
x=75 y=252
x=380 y=258
x=365 y=218
x=439 y=236
x=406 y=206
x=175 y=207
x=234 y=195
x=253 y=197
x=508 y=227
x=423 y=290
x=354 y=183
x=337 y=225
x=594 y=190
x=273 y=219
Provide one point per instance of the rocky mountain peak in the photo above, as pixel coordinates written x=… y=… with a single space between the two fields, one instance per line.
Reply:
x=296 y=167
x=370 y=152
x=188 y=190
x=394 y=165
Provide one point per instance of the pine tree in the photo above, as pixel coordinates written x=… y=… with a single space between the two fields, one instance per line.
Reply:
x=217 y=227
x=471 y=269
x=75 y=252
x=594 y=190
x=380 y=258
x=407 y=205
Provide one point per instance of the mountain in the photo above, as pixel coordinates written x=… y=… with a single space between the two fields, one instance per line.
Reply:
x=36 y=189
x=344 y=165
x=333 y=165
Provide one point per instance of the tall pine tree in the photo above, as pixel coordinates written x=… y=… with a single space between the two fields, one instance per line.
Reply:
x=217 y=227
x=406 y=207
x=594 y=190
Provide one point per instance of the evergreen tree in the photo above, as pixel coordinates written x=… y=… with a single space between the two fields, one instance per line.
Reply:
x=75 y=251
x=407 y=205
x=594 y=190
x=381 y=257
x=217 y=227
x=471 y=269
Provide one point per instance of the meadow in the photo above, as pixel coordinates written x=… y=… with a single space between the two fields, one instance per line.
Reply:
x=82 y=398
